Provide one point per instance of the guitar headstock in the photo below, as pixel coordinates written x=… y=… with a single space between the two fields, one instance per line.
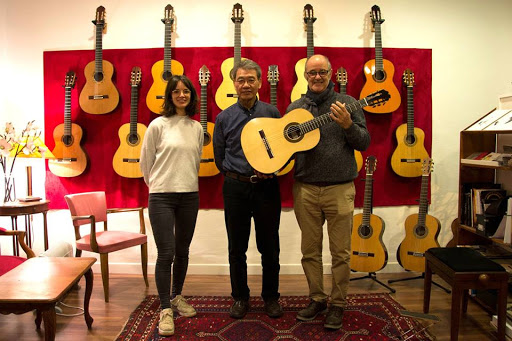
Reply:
x=408 y=77
x=378 y=97
x=341 y=76
x=204 y=75
x=168 y=15
x=371 y=164
x=237 y=13
x=309 y=15
x=375 y=15
x=69 y=81
x=100 y=17
x=427 y=166
x=273 y=74
x=136 y=76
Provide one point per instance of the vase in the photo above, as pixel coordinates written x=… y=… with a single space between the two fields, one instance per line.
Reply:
x=10 y=189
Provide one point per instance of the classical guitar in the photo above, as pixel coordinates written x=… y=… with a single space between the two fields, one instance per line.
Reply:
x=163 y=70
x=226 y=94
x=421 y=230
x=410 y=151
x=273 y=79
x=342 y=79
x=126 y=161
x=369 y=253
x=300 y=88
x=70 y=158
x=268 y=143
x=207 y=166
x=99 y=95
x=379 y=72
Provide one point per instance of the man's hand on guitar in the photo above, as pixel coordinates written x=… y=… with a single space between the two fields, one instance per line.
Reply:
x=340 y=115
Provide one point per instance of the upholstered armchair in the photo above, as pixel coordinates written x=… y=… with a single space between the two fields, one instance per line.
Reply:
x=91 y=208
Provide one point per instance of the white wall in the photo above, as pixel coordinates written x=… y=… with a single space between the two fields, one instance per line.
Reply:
x=471 y=47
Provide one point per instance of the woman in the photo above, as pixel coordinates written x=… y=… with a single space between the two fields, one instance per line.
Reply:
x=170 y=157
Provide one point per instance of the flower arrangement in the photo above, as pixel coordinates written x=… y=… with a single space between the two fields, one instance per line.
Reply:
x=12 y=146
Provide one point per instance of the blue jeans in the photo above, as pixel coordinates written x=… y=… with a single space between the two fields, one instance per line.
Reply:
x=173 y=220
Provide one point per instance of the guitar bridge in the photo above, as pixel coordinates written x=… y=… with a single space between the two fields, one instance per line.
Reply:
x=160 y=97
x=206 y=160
x=415 y=254
x=232 y=95
x=64 y=159
x=363 y=254
x=265 y=142
x=98 y=97
x=131 y=160
x=410 y=160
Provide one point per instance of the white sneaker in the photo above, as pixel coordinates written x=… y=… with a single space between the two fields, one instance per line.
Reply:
x=184 y=309
x=166 y=324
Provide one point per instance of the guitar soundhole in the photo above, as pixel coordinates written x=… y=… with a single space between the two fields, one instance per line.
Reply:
x=67 y=140
x=207 y=139
x=292 y=132
x=410 y=140
x=365 y=231
x=379 y=75
x=420 y=231
x=98 y=76
x=167 y=75
x=133 y=139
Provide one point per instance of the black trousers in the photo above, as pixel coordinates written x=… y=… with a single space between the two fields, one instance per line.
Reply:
x=173 y=220
x=262 y=202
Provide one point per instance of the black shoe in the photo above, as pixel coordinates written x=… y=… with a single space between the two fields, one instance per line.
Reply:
x=273 y=308
x=334 y=317
x=239 y=309
x=312 y=310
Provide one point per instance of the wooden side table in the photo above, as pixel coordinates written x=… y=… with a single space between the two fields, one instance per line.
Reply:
x=17 y=208
x=39 y=283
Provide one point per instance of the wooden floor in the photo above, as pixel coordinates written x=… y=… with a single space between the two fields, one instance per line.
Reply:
x=127 y=291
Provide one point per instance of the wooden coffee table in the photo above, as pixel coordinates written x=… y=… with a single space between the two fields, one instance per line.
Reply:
x=39 y=283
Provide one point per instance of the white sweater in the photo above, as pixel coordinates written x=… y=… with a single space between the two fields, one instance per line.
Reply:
x=171 y=153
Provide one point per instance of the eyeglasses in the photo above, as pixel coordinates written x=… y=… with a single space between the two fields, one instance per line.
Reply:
x=242 y=81
x=322 y=73
x=178 y=92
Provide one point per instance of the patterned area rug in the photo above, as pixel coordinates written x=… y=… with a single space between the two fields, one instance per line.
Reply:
x=367 y=317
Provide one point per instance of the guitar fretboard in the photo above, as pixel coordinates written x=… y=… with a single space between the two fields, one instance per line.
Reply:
x=238 y=43
x=410 y=112
x=367 y=204
x=134 y=108
x=379 y=65
x=203 y=110
x=309 y=38
x=67 y=111
x=98 y=53
x=167 y=47
x=423 y=200
x=273 y=94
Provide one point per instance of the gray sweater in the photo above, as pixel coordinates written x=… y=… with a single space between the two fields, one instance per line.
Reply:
x=332 y=159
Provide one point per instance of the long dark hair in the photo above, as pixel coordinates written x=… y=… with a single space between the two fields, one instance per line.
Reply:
x=169 y=109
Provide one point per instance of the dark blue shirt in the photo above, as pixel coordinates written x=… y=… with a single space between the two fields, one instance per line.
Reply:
x=227 y=146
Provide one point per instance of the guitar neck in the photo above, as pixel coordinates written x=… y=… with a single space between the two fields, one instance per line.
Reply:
x=367 y=204
x=167 y=48
x=410 y=111
x=134 y=109
x=379 y=65
x=321 y=120
x=238 y=43
x=67 y=111
x=273 y=94
x=343 y=88
x=423 y=200
x=98 y=54
x=310 y=43
x=203 y=118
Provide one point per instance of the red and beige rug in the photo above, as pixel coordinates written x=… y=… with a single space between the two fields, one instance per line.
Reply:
x=366 y=317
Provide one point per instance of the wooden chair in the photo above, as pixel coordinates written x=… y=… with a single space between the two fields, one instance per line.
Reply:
x=464 y=268
x=8 y=262
x=91 y=208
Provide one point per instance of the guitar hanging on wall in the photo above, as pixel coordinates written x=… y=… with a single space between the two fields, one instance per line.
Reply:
x=342 y=79
x=410 y=151
x=126 y=161
x=268 y=143
x=226 y=93
x=99 y=95
x=207 y=166
x=379 y=72
x=273 y=79
x=300 y=88
x=369 y=253
x=421 y=229
x=164 y=69
x=70 y=158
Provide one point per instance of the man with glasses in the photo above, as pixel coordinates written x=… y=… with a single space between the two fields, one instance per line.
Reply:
x=248 y=194
x=324 y=190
